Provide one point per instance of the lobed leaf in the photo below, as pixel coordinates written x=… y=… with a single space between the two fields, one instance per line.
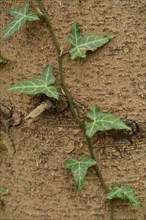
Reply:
x=20 y=16
x=101 y=121
x=82 y=43
x=125 y=193
x=79 y=169
x=38 y=85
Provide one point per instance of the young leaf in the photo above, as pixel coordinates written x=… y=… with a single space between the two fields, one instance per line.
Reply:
x=82 y=43
x=38 y=85
x=125 y=193
x=79 y=169
x=20 y=16
x=101 y=121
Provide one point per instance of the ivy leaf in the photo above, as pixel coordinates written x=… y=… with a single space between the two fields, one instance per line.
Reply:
x=101 y=121
x=3 y=191
x=125 y=193
x=31 y=16
x=20 y=16
x=79 y=169
x=82 y=43
x=38 y=85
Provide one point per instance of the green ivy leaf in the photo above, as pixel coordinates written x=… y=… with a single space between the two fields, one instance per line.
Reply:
x=31 y=16
x=3 y=191
x=79 y=169
x=38 y=85
x=20 y=16
x=125 y=193
x=82 y=43
x=101 y=121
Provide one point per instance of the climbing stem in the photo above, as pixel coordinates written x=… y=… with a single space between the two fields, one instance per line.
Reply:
x=68 y=97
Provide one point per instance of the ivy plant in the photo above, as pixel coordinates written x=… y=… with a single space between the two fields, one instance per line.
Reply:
x=20 y=16
x=3 y=192
x=96 y=119
x=82 y=43
x=79 y=169
x=124 y=192
x=38 y=85
x=100 y=121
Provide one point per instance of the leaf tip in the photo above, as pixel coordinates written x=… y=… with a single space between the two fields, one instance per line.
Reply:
x=110 y=37
x=79 y=188
x=128 y=128
x=57 y=96
x=94 y=106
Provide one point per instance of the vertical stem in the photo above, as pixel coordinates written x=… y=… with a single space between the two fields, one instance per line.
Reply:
x=68 y=97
